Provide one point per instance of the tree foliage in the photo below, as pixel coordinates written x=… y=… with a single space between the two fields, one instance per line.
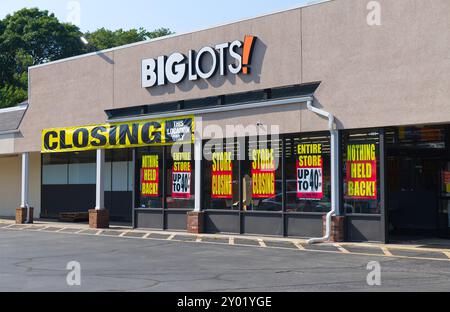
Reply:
x=104 y=39
x=32 y=36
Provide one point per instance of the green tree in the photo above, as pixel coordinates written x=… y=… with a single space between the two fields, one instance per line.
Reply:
x=104 y=39
x=32 y=36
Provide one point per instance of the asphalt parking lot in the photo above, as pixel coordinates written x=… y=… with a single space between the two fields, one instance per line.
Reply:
x=36 y=260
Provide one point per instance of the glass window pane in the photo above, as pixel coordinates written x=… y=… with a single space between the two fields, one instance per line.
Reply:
x=108 y=176
x=180 y=176
x=119 y=176
x=262 y=184
x=221 y=174
x=82 y=167
x=361 y=172
x=308 y=183
x=149 y=176
x=82 y=173
x=54 y=174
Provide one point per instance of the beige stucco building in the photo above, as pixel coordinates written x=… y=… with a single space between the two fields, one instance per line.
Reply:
x=386 y=86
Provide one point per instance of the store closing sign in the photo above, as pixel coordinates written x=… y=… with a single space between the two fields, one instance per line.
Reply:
x=181 y=175
x=222 y=175
x=361 y=171
x=309 y=165
x=263 y=173
x=177 y=66
x=150 y=176
x=119 y=135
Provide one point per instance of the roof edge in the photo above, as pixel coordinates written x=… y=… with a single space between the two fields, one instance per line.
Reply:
x=21 y=106
x=308 y=4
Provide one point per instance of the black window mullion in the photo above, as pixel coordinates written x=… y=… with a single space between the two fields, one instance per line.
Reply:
x=163 y=188
x=283 y=187
x=240 y=175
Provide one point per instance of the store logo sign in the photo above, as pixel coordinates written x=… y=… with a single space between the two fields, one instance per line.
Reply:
x=177 y=66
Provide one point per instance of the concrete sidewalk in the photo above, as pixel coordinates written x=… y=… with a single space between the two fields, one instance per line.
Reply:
x=427 y=249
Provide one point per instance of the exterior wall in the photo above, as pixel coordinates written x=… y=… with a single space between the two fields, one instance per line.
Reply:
x=370 y=75
x=10 y=184
x=393 y=74
x=65 y=94
x=275 y=61
x=7 y=144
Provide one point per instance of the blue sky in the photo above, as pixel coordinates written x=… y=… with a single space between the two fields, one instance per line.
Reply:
x=179 y=16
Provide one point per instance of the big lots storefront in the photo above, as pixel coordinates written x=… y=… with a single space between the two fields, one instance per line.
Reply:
x=264 y=126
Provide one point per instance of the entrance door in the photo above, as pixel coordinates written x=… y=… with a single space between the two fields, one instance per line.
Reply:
x=413 y=196
x=418 y=182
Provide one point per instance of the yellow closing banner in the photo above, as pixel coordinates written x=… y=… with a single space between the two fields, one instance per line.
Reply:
x=164 y=131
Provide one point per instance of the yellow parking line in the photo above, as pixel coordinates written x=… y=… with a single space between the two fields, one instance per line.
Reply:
x=447 y=253
x=171 y=237
x=299 y=245
x=386 y=251
x=123 y=233
x=341 y=249
x=146 y=235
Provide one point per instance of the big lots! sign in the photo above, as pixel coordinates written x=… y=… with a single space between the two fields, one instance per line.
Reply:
x=234 y=58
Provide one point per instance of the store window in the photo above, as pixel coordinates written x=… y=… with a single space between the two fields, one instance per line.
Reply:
x=149 y=177
x=180 y=176
x=76 y=168
x=361 y=172
x=55 y=169
x=221 y=174
x=82 y=168
x=262 y=176
x=308 y=182
x=119 y=170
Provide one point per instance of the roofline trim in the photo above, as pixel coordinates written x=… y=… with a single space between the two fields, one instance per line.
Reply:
x=9 y=132
x=308 y=4
x=216 y=109
x=14 y=108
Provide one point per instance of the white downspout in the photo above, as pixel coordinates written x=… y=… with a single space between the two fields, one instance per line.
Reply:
x=334 y=172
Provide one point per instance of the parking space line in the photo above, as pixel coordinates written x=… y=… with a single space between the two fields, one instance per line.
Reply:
x=341 y=249
x=386 y=251
x=299 y=245
x=123 y=233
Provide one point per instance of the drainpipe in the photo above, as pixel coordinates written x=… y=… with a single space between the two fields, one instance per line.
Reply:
x=334 y=171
